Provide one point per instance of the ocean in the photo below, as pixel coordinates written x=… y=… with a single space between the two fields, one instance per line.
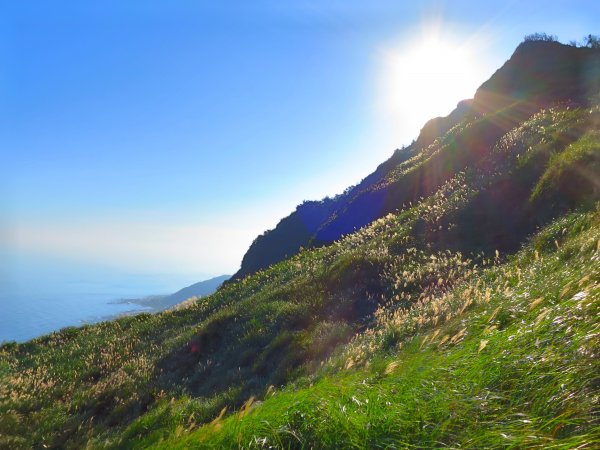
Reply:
x=37 y=302
x=23 y=317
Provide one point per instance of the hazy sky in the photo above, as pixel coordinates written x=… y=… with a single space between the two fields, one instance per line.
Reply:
x=161 y=137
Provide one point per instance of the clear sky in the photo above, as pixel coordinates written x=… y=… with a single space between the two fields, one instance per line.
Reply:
x=159 y=138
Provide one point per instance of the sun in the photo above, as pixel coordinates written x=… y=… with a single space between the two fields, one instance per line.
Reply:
x=426 y=78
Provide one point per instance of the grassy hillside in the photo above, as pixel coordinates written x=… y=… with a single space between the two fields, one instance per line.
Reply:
x=507 y=359
x=413 y=331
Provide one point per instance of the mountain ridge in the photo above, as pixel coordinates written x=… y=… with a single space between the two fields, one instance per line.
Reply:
x=512 y=98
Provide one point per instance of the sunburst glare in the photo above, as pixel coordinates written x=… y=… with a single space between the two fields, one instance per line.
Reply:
x=426 y=77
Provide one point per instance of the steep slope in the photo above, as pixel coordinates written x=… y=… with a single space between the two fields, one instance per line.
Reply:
x=537 y=75
x=451 y=342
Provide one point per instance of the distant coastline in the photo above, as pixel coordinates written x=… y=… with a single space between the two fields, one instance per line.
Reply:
x=158 y=303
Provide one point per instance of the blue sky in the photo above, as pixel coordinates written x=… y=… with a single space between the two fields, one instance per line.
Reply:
x=159 y=138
